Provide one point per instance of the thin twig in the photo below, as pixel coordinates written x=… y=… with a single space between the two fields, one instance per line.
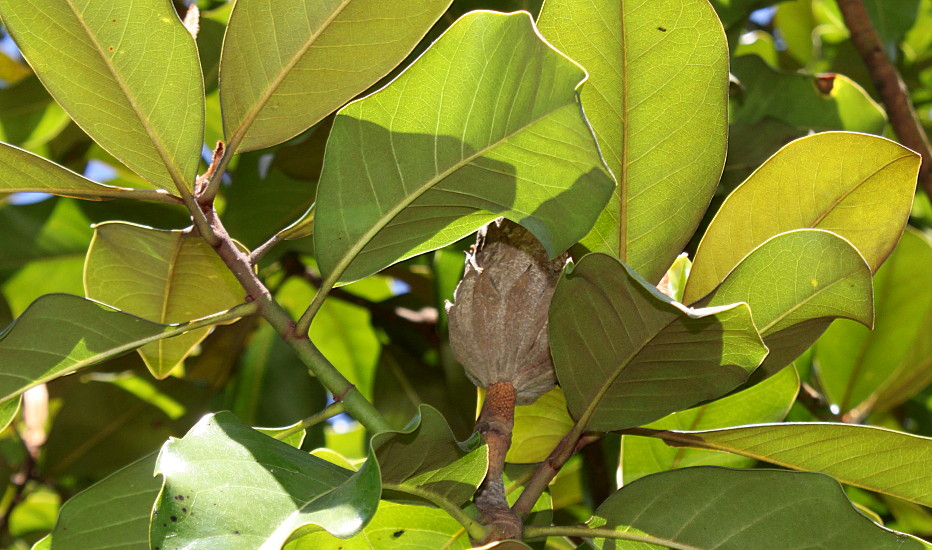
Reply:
x=256 y=256
x=565 y=449
x=330 y=411
x=893 y=91
x=343 y=390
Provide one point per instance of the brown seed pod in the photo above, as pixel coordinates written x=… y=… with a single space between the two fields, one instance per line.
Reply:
x=498 y=321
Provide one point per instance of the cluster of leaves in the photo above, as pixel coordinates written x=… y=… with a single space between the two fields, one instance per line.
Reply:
x=603 y=128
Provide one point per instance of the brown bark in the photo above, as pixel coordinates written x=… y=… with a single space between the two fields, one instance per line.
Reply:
x=889 y=85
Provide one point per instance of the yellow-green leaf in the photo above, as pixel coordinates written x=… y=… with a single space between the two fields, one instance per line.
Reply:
x=894 y=463
x=796 y=283
x=286 y=64
x=768 y=401
x=856 y=185
x=126 y=71
x=890 y=364
x=163 y=276
x=657 y=100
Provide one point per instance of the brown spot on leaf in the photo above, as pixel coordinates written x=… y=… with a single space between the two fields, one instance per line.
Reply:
x=825 y=82
x=661 y=29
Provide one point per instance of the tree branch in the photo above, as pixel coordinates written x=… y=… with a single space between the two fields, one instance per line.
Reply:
x=343 y=391
x=890 y=86
x=565 y=449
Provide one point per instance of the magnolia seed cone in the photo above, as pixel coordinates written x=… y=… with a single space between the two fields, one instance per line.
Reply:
x=498 y=321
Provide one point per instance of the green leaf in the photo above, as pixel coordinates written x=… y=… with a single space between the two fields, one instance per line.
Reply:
x=163 y=276
x=127 y=72
x=856 y=185
x=658 y=92
x=877 y=459
x=26 y=172
x=539 y=427
x=398 y=527
x=113 y=513
x=890 y=364
x=29 y=118
x=717 y=508
x=768 y=401
x=240 y=489
x=625 y=354
x=774 y=107
x=484 y=124
x=50 y=230
x=812 y=277
x=305 y=59
x=8 y=410
x=807 y=102
x=426 y=461
x=59 y=334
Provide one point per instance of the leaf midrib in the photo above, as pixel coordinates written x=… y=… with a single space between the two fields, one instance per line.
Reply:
x=623 y=169
x=168 y=163
x=390 y=214
x=240 y=133
x=600 y=394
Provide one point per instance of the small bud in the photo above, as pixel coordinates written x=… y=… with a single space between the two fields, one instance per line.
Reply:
x=498 y=321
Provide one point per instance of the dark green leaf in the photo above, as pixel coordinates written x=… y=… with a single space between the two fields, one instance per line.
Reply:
x=716 y=508
x=625 y=354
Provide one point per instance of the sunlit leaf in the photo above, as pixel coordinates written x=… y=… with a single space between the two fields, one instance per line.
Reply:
x=286 y=64
x=768 y=401
x=239 y=489
x=126 y=71
x=163 y=276
x=658 y=92
x=709 y=508
x=539 y=427
x=484 y=124
x=881 y=460
x=625 y=354
x=856 y=185
x=894 y=361
x=796 y=283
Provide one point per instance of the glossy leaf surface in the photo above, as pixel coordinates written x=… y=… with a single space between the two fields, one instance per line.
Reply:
x=894 y=361
x=484 y=124
x=286 y=64
x=885 y=461
x=658 y=91
x=796 y=283
x=760 y=509
x=768 y=401
x=855 y=185
x=625 y=354
x=164 y=276
x=227 y=485
x=126 y=71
